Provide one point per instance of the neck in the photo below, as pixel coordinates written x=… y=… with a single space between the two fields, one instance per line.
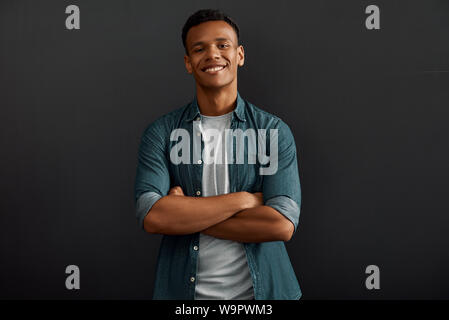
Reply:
x=216 y=102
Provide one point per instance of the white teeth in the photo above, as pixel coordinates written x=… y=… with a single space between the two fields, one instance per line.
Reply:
x=214 y=69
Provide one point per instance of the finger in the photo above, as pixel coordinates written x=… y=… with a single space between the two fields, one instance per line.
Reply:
x=176 y=190
x=173 y=190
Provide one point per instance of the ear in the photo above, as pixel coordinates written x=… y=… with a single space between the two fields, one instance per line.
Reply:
x=188 y=64
x=241 y=55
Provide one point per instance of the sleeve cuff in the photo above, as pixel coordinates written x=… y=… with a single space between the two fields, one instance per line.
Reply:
x=144 y=203
x=286 y=207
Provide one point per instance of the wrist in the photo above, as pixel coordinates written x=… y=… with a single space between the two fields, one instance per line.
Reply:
x=245 y=200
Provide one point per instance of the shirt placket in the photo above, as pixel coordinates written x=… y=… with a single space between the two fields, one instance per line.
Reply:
x=197 y=168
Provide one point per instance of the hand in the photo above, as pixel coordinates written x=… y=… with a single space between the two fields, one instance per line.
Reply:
x=254 y=199
x=259 y=198
x=176 y=191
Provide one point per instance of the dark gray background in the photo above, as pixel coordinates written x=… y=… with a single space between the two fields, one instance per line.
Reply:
x=368 y=109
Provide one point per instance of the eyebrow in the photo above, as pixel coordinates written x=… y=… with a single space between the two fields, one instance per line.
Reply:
x=216 y=39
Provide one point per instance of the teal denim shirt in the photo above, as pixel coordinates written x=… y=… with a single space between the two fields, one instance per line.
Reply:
x=269 y=264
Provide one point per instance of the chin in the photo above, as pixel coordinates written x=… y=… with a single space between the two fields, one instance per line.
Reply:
x=215 y=84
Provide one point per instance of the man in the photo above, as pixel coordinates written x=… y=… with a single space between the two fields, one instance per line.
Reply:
x=224 y=221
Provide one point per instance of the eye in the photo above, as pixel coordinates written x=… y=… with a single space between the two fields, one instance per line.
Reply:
x=198 y=49
x=223 y=45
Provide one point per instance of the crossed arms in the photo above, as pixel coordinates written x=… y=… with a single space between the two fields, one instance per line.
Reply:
x=238 y=216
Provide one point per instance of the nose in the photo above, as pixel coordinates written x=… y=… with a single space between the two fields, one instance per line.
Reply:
x=212 y=52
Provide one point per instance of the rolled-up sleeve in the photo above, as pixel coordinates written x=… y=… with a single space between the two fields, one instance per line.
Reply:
x=152 y=176
x=282 y=190
x=287 y=207
x=144 y=204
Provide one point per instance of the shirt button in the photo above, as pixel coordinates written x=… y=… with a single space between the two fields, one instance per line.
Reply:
x=199 y=161
x=197 y=119
x=198 y=192
x=195 y=248
x=192 y=279
x=198 y=134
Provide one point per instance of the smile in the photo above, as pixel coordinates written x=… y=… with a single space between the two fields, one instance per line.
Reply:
x=214 y=69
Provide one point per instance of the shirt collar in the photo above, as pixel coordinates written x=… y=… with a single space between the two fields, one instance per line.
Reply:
x=194 y=111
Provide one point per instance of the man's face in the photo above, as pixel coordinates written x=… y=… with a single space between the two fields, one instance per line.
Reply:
x=214 y=54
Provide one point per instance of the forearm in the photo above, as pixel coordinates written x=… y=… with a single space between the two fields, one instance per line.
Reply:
x=259 y=224
x=174 y=214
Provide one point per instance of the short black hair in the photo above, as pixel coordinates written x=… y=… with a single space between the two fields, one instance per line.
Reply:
x=205 y=15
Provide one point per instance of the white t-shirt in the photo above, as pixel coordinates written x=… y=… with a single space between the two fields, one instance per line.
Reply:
x=222 y=270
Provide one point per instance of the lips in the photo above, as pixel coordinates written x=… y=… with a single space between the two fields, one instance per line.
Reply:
x=215 y=68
